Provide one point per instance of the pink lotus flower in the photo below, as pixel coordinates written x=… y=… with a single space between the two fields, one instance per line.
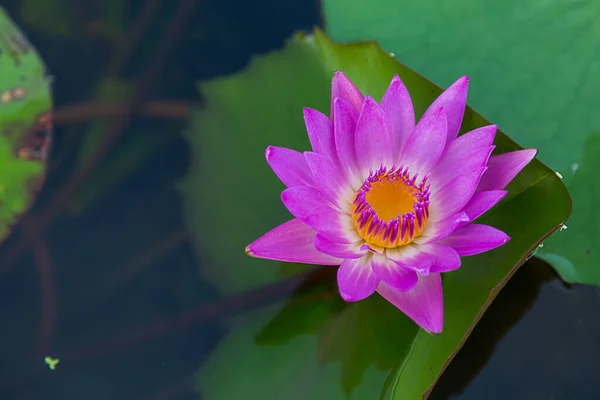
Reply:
x=391 y=203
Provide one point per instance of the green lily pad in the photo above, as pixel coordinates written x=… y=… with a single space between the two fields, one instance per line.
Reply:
x=575 y=252
x=533 y=69
x=328 y=350
x=316 y=347
x=25 y=123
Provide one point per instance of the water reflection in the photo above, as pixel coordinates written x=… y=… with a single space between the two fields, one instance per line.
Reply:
x=538 y=340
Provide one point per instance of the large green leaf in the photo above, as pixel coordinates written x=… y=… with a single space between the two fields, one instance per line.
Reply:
x=232 y=197
x=575 y=252
x=533 y=67
x=25 y=123
x=316 y=347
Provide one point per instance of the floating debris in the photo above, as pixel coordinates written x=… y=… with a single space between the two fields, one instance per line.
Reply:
x=51 y=362
x=563 y=227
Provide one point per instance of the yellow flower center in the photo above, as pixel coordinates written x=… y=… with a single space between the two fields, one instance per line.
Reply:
x=390 y=209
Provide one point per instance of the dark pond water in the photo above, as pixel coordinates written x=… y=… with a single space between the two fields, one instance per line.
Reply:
x=119 y=299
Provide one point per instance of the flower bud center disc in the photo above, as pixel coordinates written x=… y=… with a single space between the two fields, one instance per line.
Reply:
x=390 y=209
